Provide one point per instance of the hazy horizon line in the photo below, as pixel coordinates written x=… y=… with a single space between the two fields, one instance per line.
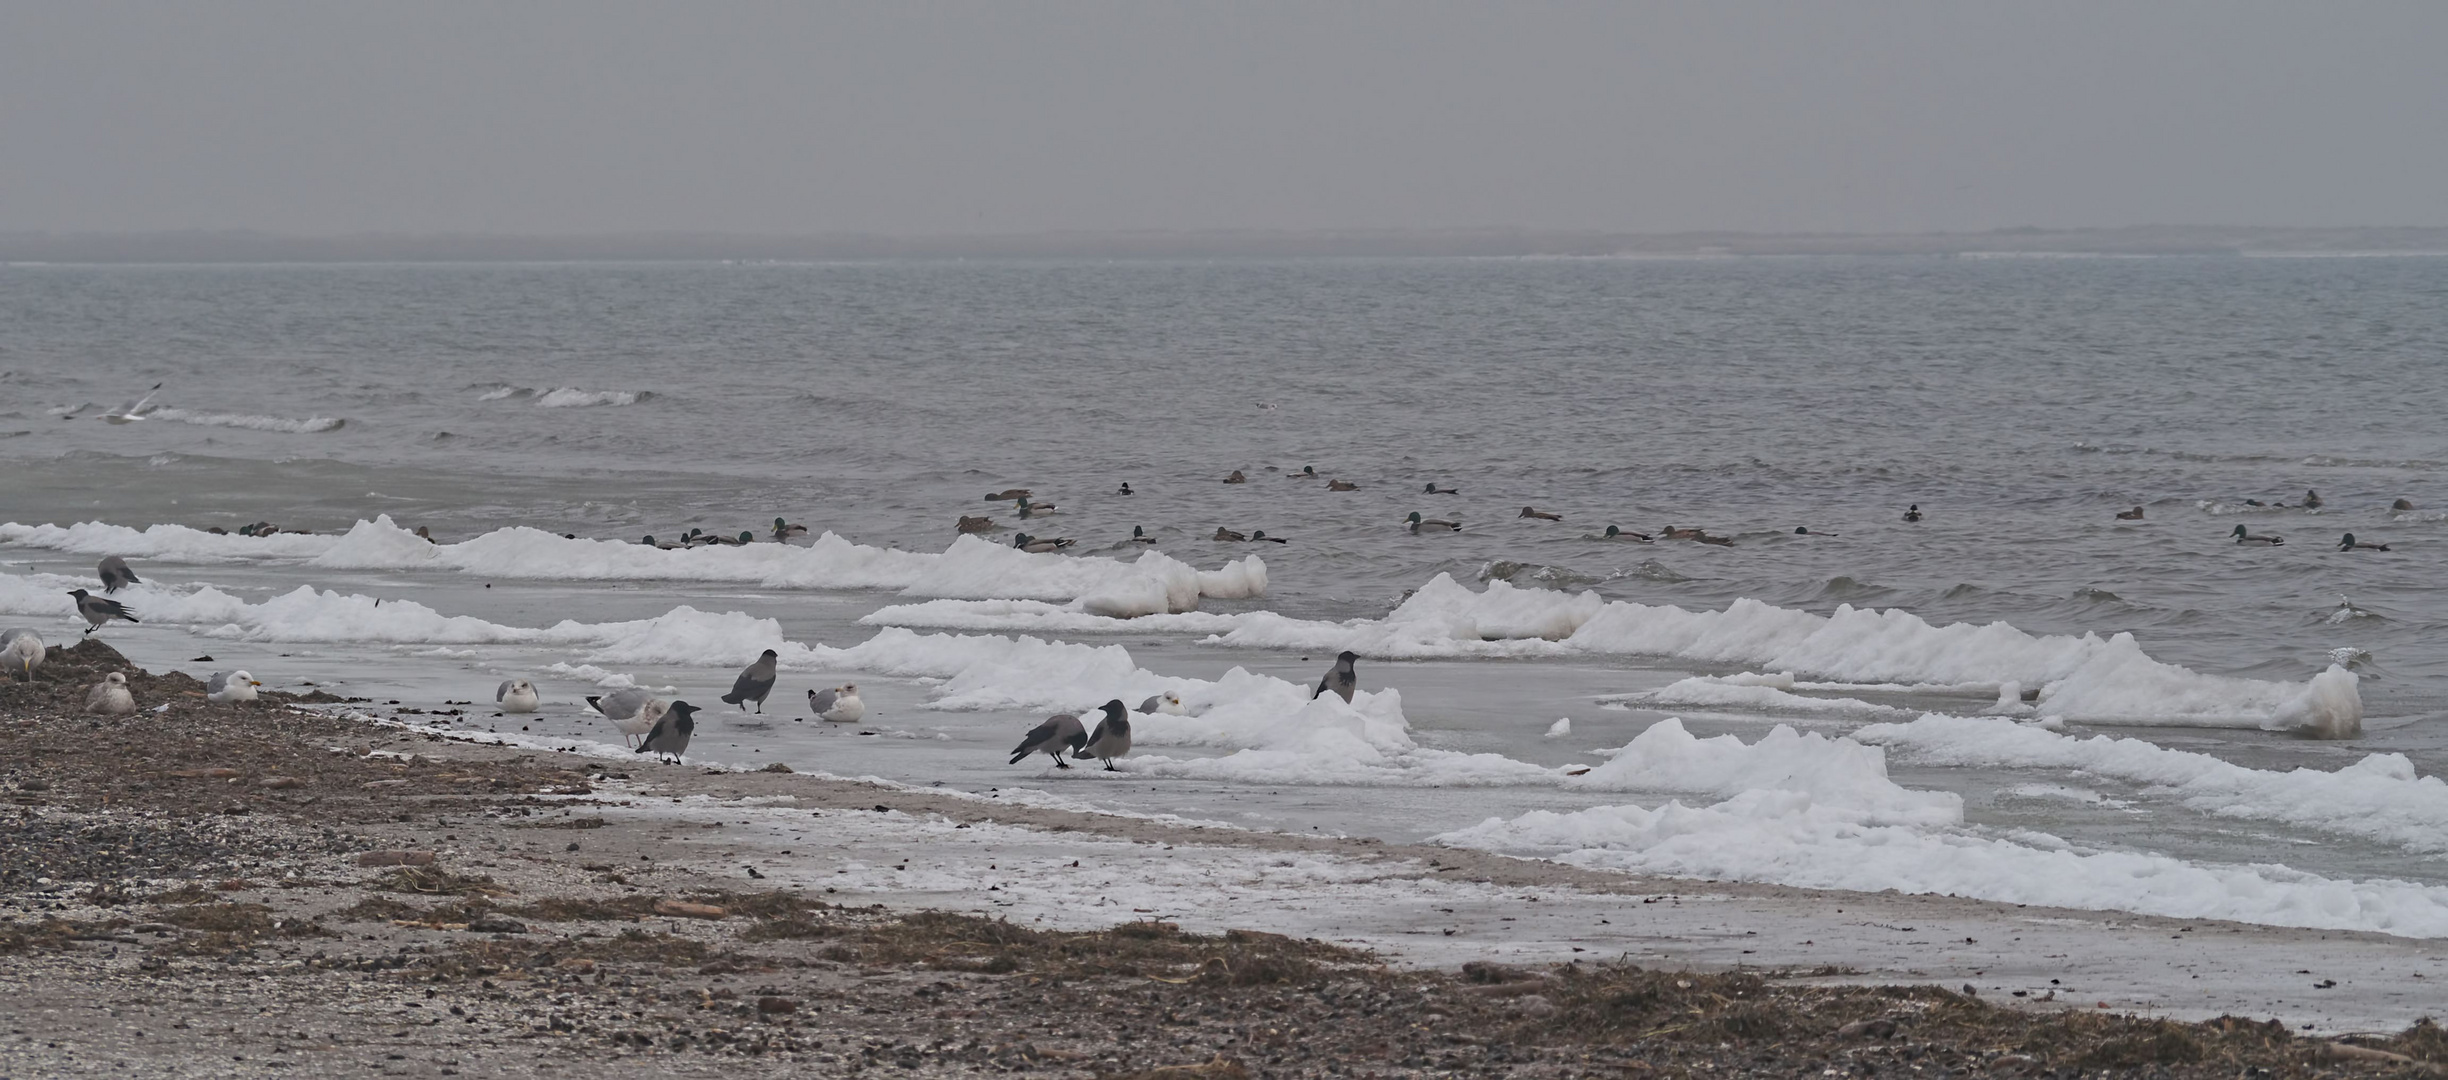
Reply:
x=258 y=245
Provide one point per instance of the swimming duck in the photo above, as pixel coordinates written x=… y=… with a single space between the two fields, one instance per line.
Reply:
x=1805 y=530
x=1229 y=536
x=784 y=530
x=1039 y=545
x=1432 y=525
x=970 y=523
x=1672 y=533
x=2402 y=504
x=1236 y=478
x=2244 y=536
x=1140 y=536
x=666 y=545
x=1028 y=509
x=1542 y=515
x=1125 y=489
x=1435 y=490
x=1913 y=512
x=1614 y=533
x=2312 y=499
x=1007 y=494
x=1307 y=472
x=2349 y=543
x=1718 y=541
x=2134 y=514
x=1341 y=485
x=1260 y=537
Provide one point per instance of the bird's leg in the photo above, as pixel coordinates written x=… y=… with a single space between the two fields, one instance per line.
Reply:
x=1061 y=764
x=1109 y=766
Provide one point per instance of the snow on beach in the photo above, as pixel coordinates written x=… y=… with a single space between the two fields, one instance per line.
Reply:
x=1152 y=584
x=1791 y=838
x=2379 y=797
x=2085 y=678
x=1785 y=807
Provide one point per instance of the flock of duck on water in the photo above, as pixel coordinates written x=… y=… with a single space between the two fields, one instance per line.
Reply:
x=653 y=725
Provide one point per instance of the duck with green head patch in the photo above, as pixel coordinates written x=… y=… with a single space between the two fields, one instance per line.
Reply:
x=1419 y=524
x=1039 y=545
x=2349 y=543
x=1140 y=536
x=1614 y=533
x=1033 y=509
x=2246 y=536
x=784 y=530
x=1260 y=537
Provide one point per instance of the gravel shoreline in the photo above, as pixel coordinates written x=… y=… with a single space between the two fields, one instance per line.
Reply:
x=261 y=889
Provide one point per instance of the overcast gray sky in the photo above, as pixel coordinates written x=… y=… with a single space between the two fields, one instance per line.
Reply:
x=1875 y=115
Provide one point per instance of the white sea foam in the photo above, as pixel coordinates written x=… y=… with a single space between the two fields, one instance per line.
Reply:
x=1838 y=774
x=175 y=543
x=567 y=397
x=2088 y=678
x=1757 y=693
x=1154 y=583
x=307 y=426
x=570 y=397
x=2380 y=797
x=1793 y=838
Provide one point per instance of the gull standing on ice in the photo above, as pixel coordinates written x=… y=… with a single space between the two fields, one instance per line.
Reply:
x=229 y=687
x=840 y=705
x=1060 y=732
x=1168 y=703
x=1113 y=736
x=115 y=574
x=110 y=697
x=633 y=710
x=21 y=651
x=1341 y=679
x=670 y=737
x=98 y=610
x=517 y=696
x=754 y=683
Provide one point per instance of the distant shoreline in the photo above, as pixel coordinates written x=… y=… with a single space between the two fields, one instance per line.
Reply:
x=201 y=246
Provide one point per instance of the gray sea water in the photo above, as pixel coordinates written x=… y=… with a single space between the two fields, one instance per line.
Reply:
x=2019 y=402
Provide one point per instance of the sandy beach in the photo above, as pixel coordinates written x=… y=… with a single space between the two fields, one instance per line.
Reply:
x=248 y=890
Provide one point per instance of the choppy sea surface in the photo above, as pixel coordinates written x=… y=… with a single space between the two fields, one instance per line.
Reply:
x=2020 y=403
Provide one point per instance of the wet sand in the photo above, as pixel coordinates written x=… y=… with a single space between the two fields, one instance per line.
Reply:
x=252 y=890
